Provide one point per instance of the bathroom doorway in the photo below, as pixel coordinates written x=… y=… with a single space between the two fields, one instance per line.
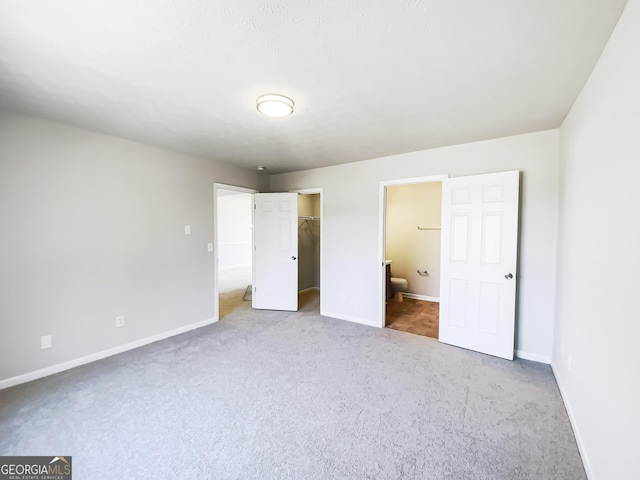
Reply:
x=309 y=249
x=411 y=246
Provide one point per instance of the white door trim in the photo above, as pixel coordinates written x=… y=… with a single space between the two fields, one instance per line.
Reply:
x=216 y=187
x=320 y=190
x=382 y=197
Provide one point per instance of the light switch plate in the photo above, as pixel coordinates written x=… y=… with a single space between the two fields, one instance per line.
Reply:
x=209 y=247
x=187 y=229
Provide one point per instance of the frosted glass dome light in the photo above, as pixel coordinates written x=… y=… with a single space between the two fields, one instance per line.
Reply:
x=274 y=105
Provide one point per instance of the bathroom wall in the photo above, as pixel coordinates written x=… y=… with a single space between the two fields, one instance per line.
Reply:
x=308 y=242
x=234 y=229
x=410 y=249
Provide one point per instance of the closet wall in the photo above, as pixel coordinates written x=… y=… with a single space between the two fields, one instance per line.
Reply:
x=308 y=242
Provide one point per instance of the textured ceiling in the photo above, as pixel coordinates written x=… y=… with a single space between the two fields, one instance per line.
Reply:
x=369 y=77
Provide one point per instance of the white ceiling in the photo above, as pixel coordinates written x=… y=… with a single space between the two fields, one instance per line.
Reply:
x=369 y=77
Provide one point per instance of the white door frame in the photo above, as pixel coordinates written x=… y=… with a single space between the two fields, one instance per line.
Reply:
x=320 y=190
x=381 y=233
x=216 y=187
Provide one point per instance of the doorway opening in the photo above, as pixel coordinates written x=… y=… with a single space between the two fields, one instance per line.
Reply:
x=478 y=260
x=233 y=247
x=288 y=251
x=412 y=257
x=309 y=249
x=410 y=238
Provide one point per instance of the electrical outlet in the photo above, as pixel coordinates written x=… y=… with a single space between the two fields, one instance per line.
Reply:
x=120 y=321
x=343 y=297
x=46 y=341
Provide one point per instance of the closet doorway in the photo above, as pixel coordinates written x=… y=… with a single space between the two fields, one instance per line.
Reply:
x=309 y=249
x=412 y=247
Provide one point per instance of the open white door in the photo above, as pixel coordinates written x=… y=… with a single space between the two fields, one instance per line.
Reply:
x=478 y=262
x=275 y=239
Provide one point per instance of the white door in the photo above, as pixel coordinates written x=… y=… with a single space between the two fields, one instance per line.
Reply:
x=275 y=230
x=478 y=262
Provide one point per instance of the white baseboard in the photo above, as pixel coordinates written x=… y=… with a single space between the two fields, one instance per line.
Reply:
x=350 y=318
x=309 y=289
x=426 y=298
x=61 y=367
x=534 y=357
x=574 y=425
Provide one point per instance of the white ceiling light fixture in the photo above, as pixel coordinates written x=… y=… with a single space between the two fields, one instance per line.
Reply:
x=274 y=105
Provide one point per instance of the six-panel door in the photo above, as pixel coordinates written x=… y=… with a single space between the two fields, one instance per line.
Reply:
x=479 y=255
x=275 y=251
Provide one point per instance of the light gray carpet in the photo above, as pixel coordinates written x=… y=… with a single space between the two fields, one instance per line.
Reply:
x=270 y=395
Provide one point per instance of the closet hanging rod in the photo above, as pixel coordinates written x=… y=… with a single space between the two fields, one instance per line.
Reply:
x=429 y=228
x=306 y=217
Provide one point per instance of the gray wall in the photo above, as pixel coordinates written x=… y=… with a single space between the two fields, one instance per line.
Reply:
x=351 y=220
x=596 y=347
x=93 y=227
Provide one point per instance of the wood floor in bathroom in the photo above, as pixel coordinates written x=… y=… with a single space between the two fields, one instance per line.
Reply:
x=414 y=316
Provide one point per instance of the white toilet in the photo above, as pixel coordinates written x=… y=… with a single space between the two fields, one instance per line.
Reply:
x=399 y=285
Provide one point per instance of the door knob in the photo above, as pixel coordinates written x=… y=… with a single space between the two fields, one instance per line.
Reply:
x=508 y=276
x=293 y=257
